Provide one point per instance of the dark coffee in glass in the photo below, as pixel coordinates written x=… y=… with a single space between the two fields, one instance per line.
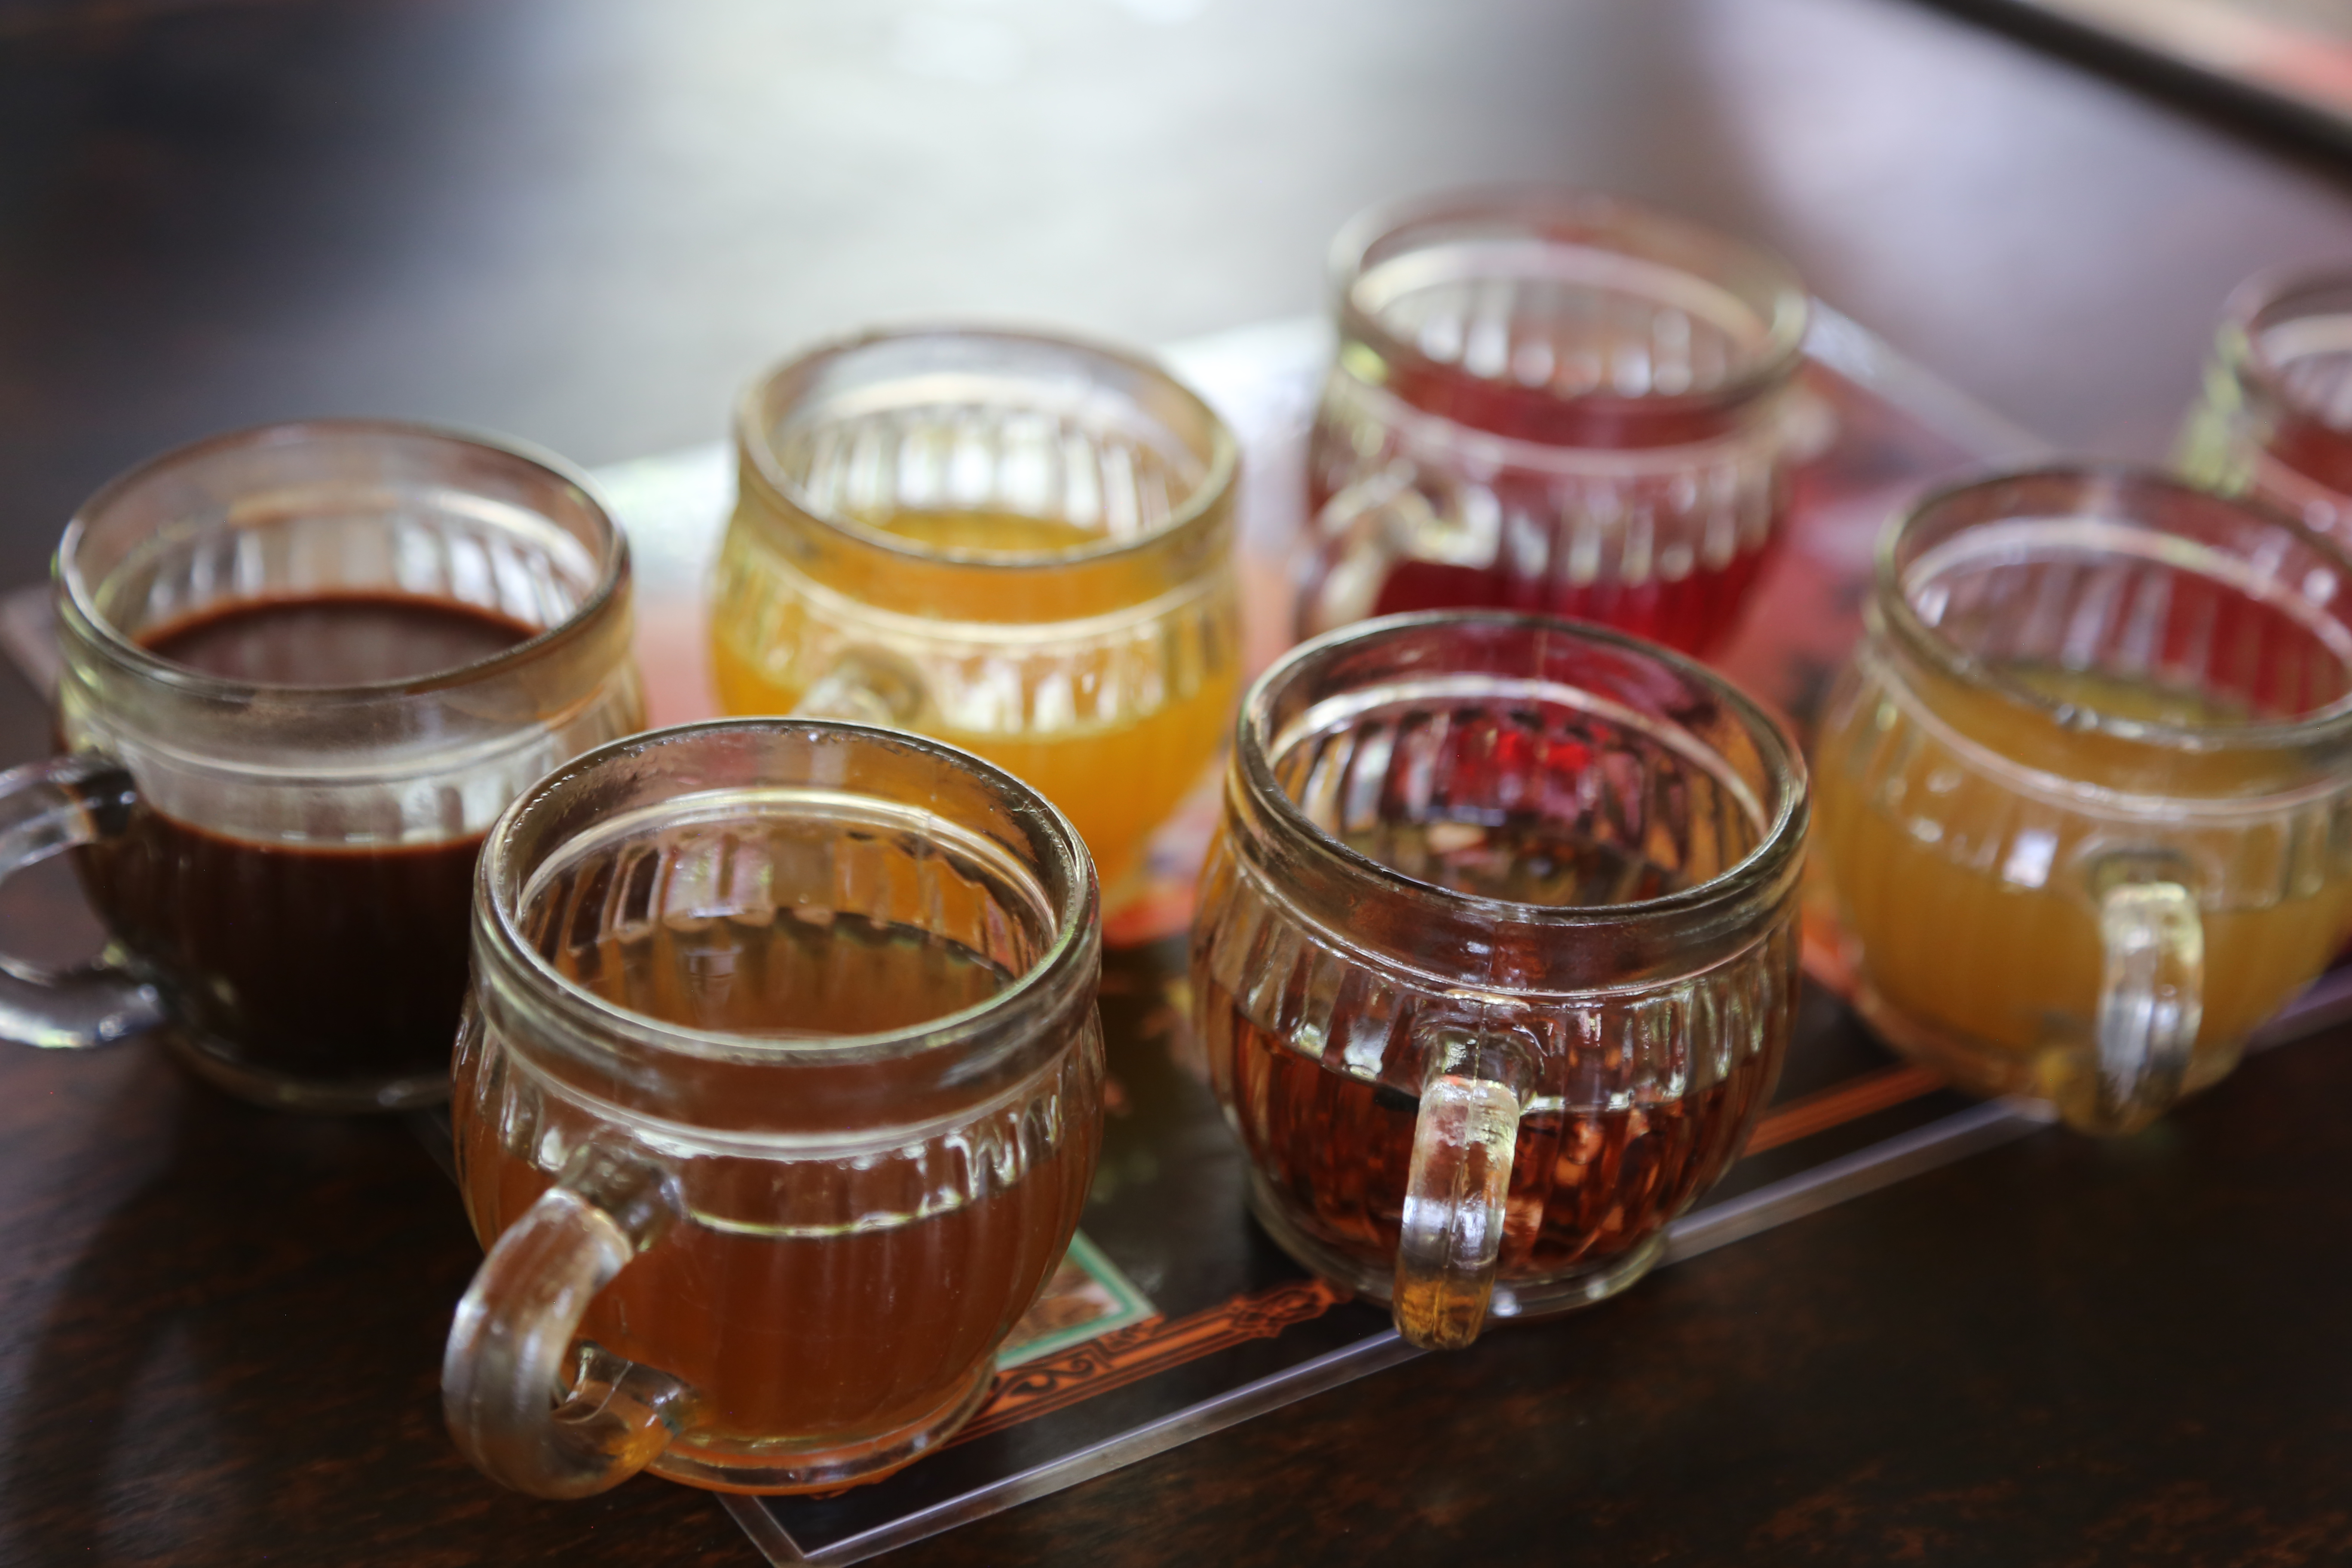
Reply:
x=306 y=668
x=321 y=962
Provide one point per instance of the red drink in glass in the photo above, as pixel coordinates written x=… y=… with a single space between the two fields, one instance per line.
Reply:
x=1550 y=401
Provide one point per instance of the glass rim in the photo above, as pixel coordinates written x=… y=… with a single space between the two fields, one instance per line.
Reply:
x=2274 y=289
x=499 y=888
x=77 y=597
x=1779 y=835
x=754 y=439
x=1785 y=322
x=1891 y=605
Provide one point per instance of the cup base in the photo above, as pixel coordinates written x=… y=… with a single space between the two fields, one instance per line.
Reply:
x=2056 y=1075
x=1513 y=1299
x=773 y=1470
x=219 y=1064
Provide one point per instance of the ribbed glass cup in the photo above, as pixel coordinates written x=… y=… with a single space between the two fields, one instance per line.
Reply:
x=2275 y=421
x=1495 y=957
x=1020 y=545
x=2085 y=792
x=1550 y=400
x=284 y=867
x=777 y=1099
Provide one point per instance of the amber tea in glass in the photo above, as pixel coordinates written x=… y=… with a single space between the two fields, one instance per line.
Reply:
x=1496 y=956
x=779 y=1099
x=2084 y=800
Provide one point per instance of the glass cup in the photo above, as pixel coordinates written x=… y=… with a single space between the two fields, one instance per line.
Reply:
x=1022 y=546
x=2085 y=802
x=781 y=1081
x=2275 y=422
x=1550 y=400
x=1495 y=958
x=305 y=667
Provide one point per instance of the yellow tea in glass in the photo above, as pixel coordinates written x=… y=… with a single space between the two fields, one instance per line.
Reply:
x=2081 y=800
x=1018 y=544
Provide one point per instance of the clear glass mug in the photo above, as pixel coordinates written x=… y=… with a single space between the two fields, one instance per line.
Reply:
x=285 y=866
x=780 y=1083
x=1550 y=400
x=1496 y=956
x=2275 y=421
x=1022 y=546
x=2085 y=796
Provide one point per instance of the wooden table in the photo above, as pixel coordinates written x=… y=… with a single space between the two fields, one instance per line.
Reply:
x=588 y=221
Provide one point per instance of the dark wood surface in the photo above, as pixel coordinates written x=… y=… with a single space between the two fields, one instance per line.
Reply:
x=586 y=221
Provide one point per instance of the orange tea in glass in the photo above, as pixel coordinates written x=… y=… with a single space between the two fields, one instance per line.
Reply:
x=1020 y=545
x=777 y=1099
x=2085 y=796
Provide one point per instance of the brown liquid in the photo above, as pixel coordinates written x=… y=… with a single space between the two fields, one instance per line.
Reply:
x=315 y=962
x=809 y=1302
x=788 y=978
x=335 y=640
x=1588 y=1185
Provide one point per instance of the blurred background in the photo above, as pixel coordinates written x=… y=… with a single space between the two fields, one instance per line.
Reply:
x=589 y=222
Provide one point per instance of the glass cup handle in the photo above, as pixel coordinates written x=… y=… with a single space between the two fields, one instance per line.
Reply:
x=1358 y=537
x=868 y=685
x=1383 y=521
x=1463 y=1144
x=47 y=808
x=2151 y=994
x=512 y=1408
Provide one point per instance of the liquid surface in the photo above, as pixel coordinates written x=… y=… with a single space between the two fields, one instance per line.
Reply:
x=2120 y=697
x=320 y=963
x=1520 y=863
x=343 y=640
x=2095 y=755
x=788 y=978
x=987 y=533
x=1973 y=906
